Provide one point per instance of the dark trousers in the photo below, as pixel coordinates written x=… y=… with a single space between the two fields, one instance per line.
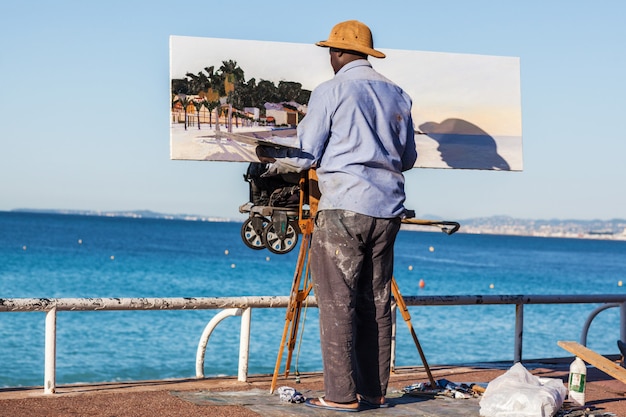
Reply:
x=351 y=267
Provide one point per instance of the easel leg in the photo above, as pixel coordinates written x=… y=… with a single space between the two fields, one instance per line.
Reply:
x=407 y=318
x=292 y=317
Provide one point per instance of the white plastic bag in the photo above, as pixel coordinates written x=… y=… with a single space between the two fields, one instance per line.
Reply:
x=518 y=393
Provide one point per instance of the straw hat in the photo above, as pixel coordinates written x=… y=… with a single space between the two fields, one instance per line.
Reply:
x=352 y=35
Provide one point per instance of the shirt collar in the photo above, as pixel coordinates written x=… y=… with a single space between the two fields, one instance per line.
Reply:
x=354 y=64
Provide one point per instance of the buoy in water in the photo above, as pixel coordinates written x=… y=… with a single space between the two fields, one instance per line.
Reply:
x=267 y=258
x=112 y=257
x=226 y=252
x=80 y=241
x=432 y=249
x=24 y=247
x=619 y=283
x=410 y=267
x=232 y=265
x=491 y=286
x=422 y=283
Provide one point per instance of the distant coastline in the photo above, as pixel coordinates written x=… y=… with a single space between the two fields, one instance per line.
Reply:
x=614 y=229
x=135 y=214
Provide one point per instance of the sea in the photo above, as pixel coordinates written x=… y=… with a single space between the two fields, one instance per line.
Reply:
x=77 y=256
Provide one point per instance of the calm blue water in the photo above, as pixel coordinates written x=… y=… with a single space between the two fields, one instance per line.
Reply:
x=56 y=256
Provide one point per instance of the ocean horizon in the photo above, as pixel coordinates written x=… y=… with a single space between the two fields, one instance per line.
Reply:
x=597 y=229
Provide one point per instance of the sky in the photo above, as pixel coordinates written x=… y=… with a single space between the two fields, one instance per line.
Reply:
x=86 y=99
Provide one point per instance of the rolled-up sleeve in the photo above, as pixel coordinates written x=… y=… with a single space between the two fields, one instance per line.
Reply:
x=313 y=132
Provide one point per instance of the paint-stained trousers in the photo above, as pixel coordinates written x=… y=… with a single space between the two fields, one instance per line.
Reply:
x=351 y=267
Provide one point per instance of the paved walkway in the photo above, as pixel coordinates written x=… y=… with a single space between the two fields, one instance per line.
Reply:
x=227 y=397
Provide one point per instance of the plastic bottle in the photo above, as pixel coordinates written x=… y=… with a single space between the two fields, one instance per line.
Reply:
x=577 y=381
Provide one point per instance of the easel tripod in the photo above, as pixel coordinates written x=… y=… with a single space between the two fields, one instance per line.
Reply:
x=302 y=285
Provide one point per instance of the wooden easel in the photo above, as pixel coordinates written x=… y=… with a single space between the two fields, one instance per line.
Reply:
x=302 y=284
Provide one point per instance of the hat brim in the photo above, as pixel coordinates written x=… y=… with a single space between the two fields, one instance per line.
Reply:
x=351 y=47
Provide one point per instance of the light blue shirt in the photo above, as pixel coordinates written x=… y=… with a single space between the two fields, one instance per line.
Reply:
x=358 y=133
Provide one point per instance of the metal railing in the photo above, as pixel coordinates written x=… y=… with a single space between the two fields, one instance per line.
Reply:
x=230 y=306
x=243 y=305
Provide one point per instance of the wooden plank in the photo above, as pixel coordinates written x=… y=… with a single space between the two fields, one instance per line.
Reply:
x=605 y=365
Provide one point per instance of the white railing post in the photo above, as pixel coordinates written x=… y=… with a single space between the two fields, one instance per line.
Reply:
x=204 y=339
x=244 y=345
x=50 y=352
x=519 y=332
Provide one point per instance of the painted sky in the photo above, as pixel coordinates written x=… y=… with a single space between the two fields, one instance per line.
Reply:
x=86 y=90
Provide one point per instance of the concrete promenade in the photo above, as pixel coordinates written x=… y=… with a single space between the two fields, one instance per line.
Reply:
x=227 y=397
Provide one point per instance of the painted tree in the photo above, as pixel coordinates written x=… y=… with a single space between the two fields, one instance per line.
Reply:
x=228 y=82
x=197 y=103
x=184 y=102
x=210 y=100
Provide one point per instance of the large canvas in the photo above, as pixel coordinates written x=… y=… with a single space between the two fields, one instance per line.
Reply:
x=229 y=95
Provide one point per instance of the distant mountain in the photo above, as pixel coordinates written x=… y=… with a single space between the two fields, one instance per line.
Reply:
x=595 y=229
